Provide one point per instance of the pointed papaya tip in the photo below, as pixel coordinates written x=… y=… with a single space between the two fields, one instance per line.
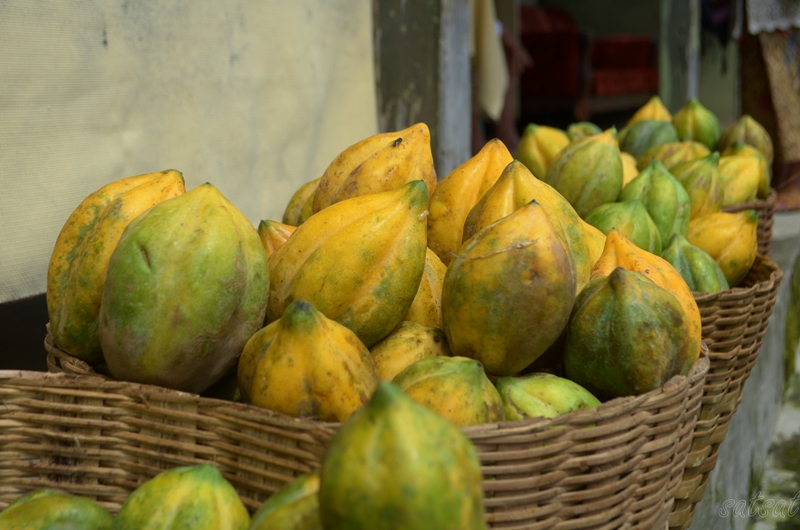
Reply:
x=530 y=128
x=299 y=312
x=417 y=191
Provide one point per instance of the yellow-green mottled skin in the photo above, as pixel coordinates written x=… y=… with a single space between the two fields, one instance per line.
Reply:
x=697 y=267
x=629 y=218
x=626 y=336
x=397 y=465
x=426 y=309
x=695 y=122
x=739 y=177
x=293 y=216
x=538 y=147
x=700 y=179
x=764 y=176
x=654 y=109
x=540 y=394
x=582 y=129
x=730 y=238
x=184 y=498
x=747 y=130
x=294 y=507
x=453 y=387
x=508 y=294
x=641 y=136
x=404 y=346
x=672 y=154
x=50 y=509
x=186 y=288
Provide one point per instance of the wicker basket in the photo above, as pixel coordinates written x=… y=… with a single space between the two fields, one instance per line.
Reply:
x=765 y=210
x=734 y=324
x=617 y=466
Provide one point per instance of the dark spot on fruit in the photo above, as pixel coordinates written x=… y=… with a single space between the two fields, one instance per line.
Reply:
x=397 y=142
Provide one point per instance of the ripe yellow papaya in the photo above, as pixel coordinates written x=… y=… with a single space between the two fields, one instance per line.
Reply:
x=79 y=263
x=748 y=131
x=293 y=215
x=538 y=147
x=629 y=169
x=407 y=344
x=595 y=242
x=426 y=309
x=764 y=175
x=542 y=395
x=700 y=178
x=730 y=238
x=382 y=162
x=293 y=507
x=672 y=154
x=458 y=192
x=654 y=109
x=359 y=262
x=739 y=178
x=274 y=234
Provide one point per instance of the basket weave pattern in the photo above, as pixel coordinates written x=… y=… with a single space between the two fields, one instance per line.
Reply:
x=765 y=210
x=734 y=324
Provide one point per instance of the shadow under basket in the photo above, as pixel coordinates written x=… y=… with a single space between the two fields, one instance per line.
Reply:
x=616 y=466
x=765 y=209
x=734 y=324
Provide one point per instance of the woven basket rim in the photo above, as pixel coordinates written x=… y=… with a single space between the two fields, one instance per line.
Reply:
x=775 y=275
x=759 y=204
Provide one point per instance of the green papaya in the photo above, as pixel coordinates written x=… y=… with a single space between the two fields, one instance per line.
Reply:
x=582 y=129
x=747 y=130
x=294 y=507
x=695 y=122
x=641 y=136
x=588 y=172
x=663 y=197
x=626 y=336
x=629 y=218
x=186 y=288
x=700 y=178
x=540 y=394
x=697 y=267
x=397 y=465
x=51 y=509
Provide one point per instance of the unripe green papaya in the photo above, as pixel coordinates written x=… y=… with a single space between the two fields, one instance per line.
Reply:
x=629 y=218
x=641 y=136
x=51 y=509
x=664 y=198
x=582 y=129
x=453 y=387
x=538 y=146
x=695 y=122
x=697 y=267
x=747 y=130
x=540 y=394
x=626 y=336
x=588 y=172
x=186 y=288
x=397 y=465
x=196 y=497
x=294 y=507
x=700 y=179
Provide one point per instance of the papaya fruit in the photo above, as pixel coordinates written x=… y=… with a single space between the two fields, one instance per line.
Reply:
x=273 y=234
x=293 y=215
x=637 y=138
x=739 y=178
x=582 y=129
x=456 y=388
x=730 y=238
x=426 y=308
x=764 y=175
x=748 y=131
x=700 y=178
x=307 y=366
x=542 y=395
x=538 y=147
x=458 y=192
x=588 y=172
x=696 y=267
x=664 y=198
x=404 y=346
x=672 y=154
x=359 y=262
x=380 y=163
x=293 y=507
x=629 y=169
x=654 y=109
x=507 y=296
x=595 y=242
x=695 y=122
x=395 y=464
x=629 y=218
x=619 y=252
x=517 y=187
x=79 y=261
x=52 y=509
x=626 y=336
x=196 y=497
x=186 y=287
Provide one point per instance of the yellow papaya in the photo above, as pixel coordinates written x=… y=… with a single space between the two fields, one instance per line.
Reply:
x=629 y=169
x=426 y=309
x=382 y=162
x=294 y=507
x=764 y=175
x=595 y=242
x=748 y=131
x=292 y=216
x=730 y=238
x=404 y=346
x=458 y=192
x=274 y=234
x=739 y=178
x=542 y=395
x=654 y=109
x=700 y=178
x=538 y=147
x=672 y=154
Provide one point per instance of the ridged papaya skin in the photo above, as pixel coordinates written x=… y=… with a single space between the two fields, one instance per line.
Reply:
x=695 y=122
x=664 y=198
x=748 y=131
x=629 y=218
x=380 y=163
x=739 y=177
x=273 y=234
x=696 y=267
x=294 y=507
x=517 y=187
x=588 y=172
x=700 y=178
x=673 y=154
x=595 y=242
x=730 y=238
x=542 y=395
x=80 y=259
x=654 y=109
x=186 y=287
x=456 y=388
x=619 y=252
x=293 y=215
x=196 y=497
x=629 y=169
x=508 y=295
x=307 y=366
x=359 y=262
x=51 y=509
x=538 y=146
x=637 y=138
x=764 y=175
x=458 y=192
x=396 y=458
x=407 y=344
x=582 y=129
x=626 y=336
x=426 y=309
